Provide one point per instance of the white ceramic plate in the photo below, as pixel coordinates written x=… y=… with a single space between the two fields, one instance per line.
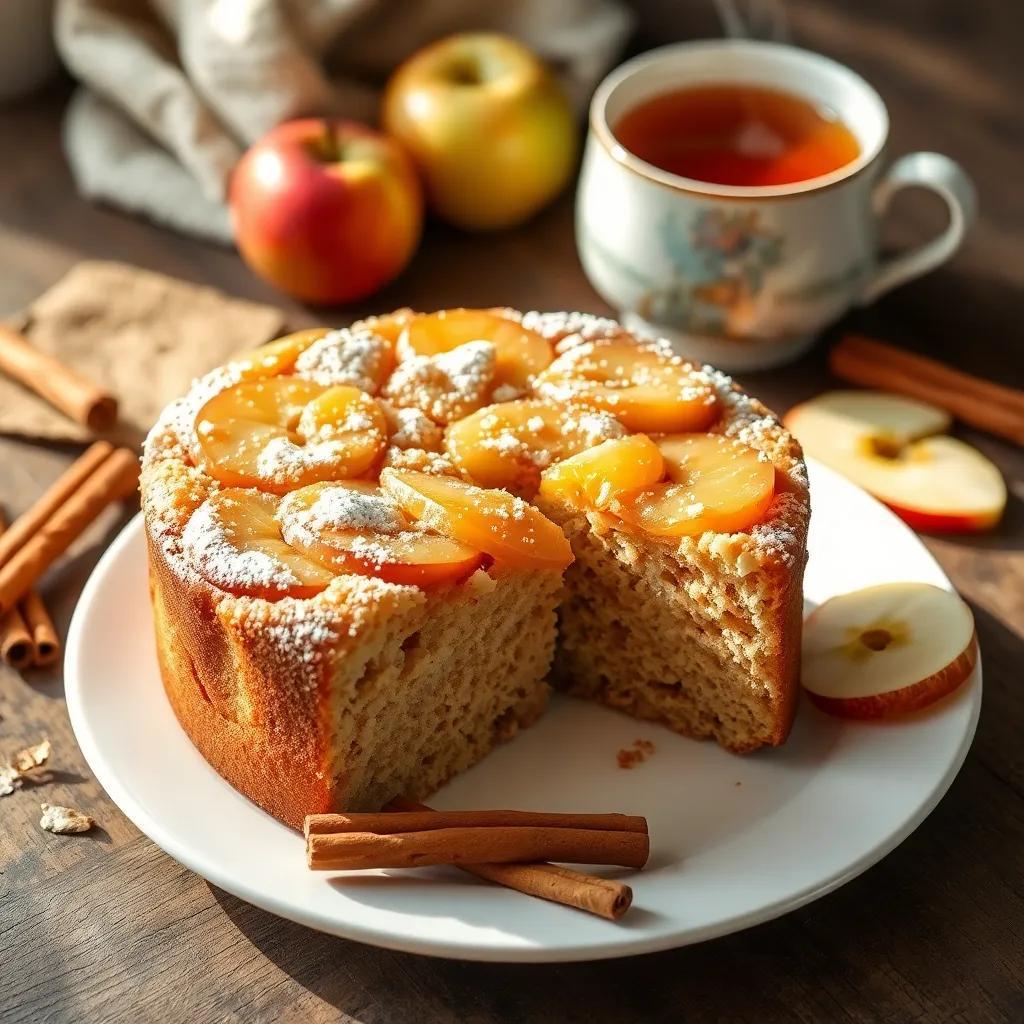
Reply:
x=736 y=841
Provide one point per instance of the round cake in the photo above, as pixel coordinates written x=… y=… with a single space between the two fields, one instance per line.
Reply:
x=372 y=548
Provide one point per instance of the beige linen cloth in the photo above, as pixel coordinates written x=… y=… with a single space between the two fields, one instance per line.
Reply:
x=175 y=90
x=141 y=335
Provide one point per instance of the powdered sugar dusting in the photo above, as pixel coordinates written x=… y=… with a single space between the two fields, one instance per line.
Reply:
x=358 y=358
x=344 y=508
x=281 y=460
x=411 y=428
x=224 y=562
x=567 y=330
x=595 y=427
x=447 y=386
x=419 y=459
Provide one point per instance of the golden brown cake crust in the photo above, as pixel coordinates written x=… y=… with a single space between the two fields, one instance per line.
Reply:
x=198 y=663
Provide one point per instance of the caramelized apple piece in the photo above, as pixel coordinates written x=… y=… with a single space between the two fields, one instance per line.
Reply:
x=714 y=483
x=521 y=353
x=283 y=432
x=234 y=542
x=388 y=325
x=507 y=445
x=351 y=526
x=645 y=388
x=594 y=477
x=508 y=529
x=276 y=357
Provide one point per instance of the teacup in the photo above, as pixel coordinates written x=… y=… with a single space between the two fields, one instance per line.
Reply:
x=746 y=277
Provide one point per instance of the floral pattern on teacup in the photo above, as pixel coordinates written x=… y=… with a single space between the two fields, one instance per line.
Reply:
x=720 y=261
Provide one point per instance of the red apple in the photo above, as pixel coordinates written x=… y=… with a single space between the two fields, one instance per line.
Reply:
x=328 y=211
x=896 y=449
x=887 y=650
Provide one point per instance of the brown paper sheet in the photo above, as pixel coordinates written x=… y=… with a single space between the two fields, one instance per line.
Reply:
x=142 y=335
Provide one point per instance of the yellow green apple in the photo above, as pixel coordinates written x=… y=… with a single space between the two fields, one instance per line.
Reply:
x=488 y=126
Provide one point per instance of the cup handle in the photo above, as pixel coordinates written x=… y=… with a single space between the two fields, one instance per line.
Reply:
x=950 y=181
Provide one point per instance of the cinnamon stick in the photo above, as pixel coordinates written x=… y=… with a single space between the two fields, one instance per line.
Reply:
x=499 y=845
x=45 y=642
x=26 y=525
x=395 y=822
x=980 y=403
x=601 y=896
x=16 y=647
x=114 y=478
x=65 y=389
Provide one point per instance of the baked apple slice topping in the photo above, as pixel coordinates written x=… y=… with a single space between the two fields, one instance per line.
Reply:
x=510 y=530
x=352 y=527
x=234 y=542
x=646 y=388
x=520 y=354
x=595 y=477
x=887 y=650
x=714 y=483
x=284 y=432
x=509 y=444
x=276 y=357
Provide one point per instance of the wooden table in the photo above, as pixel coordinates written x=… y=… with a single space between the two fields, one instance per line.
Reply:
x=108 y=928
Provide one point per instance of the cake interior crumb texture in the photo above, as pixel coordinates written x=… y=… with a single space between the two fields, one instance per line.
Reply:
x=428 y=694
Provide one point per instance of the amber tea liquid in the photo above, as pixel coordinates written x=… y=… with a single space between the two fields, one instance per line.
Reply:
x=737 y=135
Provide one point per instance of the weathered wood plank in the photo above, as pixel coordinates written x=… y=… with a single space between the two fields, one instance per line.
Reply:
x=106 y=927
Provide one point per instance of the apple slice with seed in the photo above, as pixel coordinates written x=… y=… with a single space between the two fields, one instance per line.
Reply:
x=896 y=449
x=887 y=650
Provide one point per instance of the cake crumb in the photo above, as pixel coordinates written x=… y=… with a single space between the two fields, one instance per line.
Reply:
x=630 y=757
x=64 y=820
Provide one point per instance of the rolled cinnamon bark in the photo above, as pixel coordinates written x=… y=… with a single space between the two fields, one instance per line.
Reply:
x=591 y=893
x=29 y=523
x=364 y=850
x=113 y=479
x=979 y=403
x=16 y=646
x=65 y=389
x=601 y=896
x=394 y=822
x=45 y=642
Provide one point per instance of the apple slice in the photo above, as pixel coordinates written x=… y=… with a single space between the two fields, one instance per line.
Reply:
x=714 y=483
x=646 y=388
x=895 y=449
x=887 y=650
x=276 y=356
x=282 y=432
x=508 y=444
x=595 y=477
x=350 y=526
x=520 y=353
x=233 y=541
x=507 y=528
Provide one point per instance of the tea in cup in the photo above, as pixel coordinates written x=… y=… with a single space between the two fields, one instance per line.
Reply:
x=731 y=197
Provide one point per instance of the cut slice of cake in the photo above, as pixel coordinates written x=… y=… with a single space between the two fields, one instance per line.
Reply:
x=700 y=631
